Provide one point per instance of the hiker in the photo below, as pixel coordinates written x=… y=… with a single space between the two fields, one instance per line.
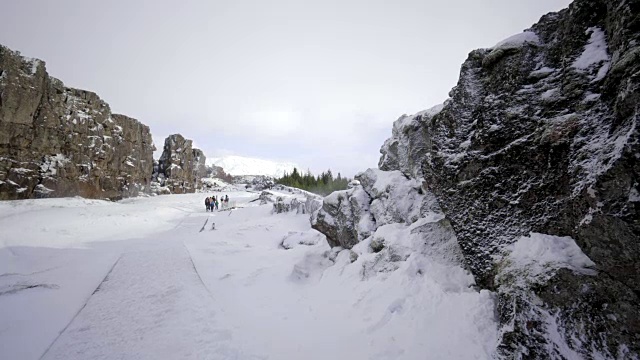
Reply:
x=207 y=203
x=216 y=203
x=226 y=199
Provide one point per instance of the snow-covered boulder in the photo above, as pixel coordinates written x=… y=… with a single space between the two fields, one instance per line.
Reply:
x=344 y=217
x=386 y=219
x=379 y=198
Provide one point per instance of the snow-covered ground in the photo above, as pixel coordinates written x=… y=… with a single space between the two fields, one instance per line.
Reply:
x=148 y=278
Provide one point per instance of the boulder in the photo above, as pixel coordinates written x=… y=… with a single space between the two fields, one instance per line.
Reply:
x=375 y=199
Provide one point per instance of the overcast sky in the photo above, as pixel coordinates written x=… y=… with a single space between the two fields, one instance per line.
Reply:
x=318 y=83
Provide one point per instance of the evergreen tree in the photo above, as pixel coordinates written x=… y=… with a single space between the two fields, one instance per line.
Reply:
x=323 y=184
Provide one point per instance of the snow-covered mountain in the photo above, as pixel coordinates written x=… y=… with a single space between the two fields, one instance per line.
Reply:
x=240 y=165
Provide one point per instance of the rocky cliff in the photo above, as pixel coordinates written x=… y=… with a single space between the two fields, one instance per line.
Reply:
x=181 y=167
x=58 y=141
x=536 y=150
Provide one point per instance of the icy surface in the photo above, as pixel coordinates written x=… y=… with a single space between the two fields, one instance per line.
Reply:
x=180 y=282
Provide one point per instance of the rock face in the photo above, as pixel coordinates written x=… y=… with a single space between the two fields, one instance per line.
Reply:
x=181 y=167
x=58 y=141
x=537 y=144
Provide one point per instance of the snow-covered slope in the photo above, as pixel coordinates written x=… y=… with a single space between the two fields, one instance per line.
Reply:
x=240 y=165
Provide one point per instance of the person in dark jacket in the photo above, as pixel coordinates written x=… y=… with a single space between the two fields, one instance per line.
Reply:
x=207 y=203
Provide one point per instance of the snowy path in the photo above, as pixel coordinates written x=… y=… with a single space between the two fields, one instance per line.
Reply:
x=149 y=297
x=152 y=305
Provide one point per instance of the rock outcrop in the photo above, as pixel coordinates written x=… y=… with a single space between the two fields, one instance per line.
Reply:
x=58 y=141
x=214 y=171
x=537 y=146
x=180 y=168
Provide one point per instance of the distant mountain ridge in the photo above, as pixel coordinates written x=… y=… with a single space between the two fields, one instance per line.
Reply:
x=240 y=165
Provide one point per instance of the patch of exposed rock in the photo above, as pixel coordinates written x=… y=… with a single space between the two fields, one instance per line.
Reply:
x=58 y=141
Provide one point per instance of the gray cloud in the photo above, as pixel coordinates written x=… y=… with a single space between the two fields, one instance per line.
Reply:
x=317 y=83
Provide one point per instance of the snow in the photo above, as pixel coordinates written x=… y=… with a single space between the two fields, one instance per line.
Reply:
x=432 y=111
x=34 y=63
x=518 y=40
x=603 y=149
x=549 y=94
x=22 y=171
x=539 y=255
x=594 y=52
x=239 y=165
x=43 y=189
x=405 y=120
x=543 y=71
x=589 y=97
x=148 y=278
x=50 y=164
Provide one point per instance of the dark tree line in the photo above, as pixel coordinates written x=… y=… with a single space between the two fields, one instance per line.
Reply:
x=323 y=184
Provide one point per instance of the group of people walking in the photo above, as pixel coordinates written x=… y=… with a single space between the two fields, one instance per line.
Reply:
x=212 y=202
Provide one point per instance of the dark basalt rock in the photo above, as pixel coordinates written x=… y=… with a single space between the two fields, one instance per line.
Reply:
x=57 y=141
